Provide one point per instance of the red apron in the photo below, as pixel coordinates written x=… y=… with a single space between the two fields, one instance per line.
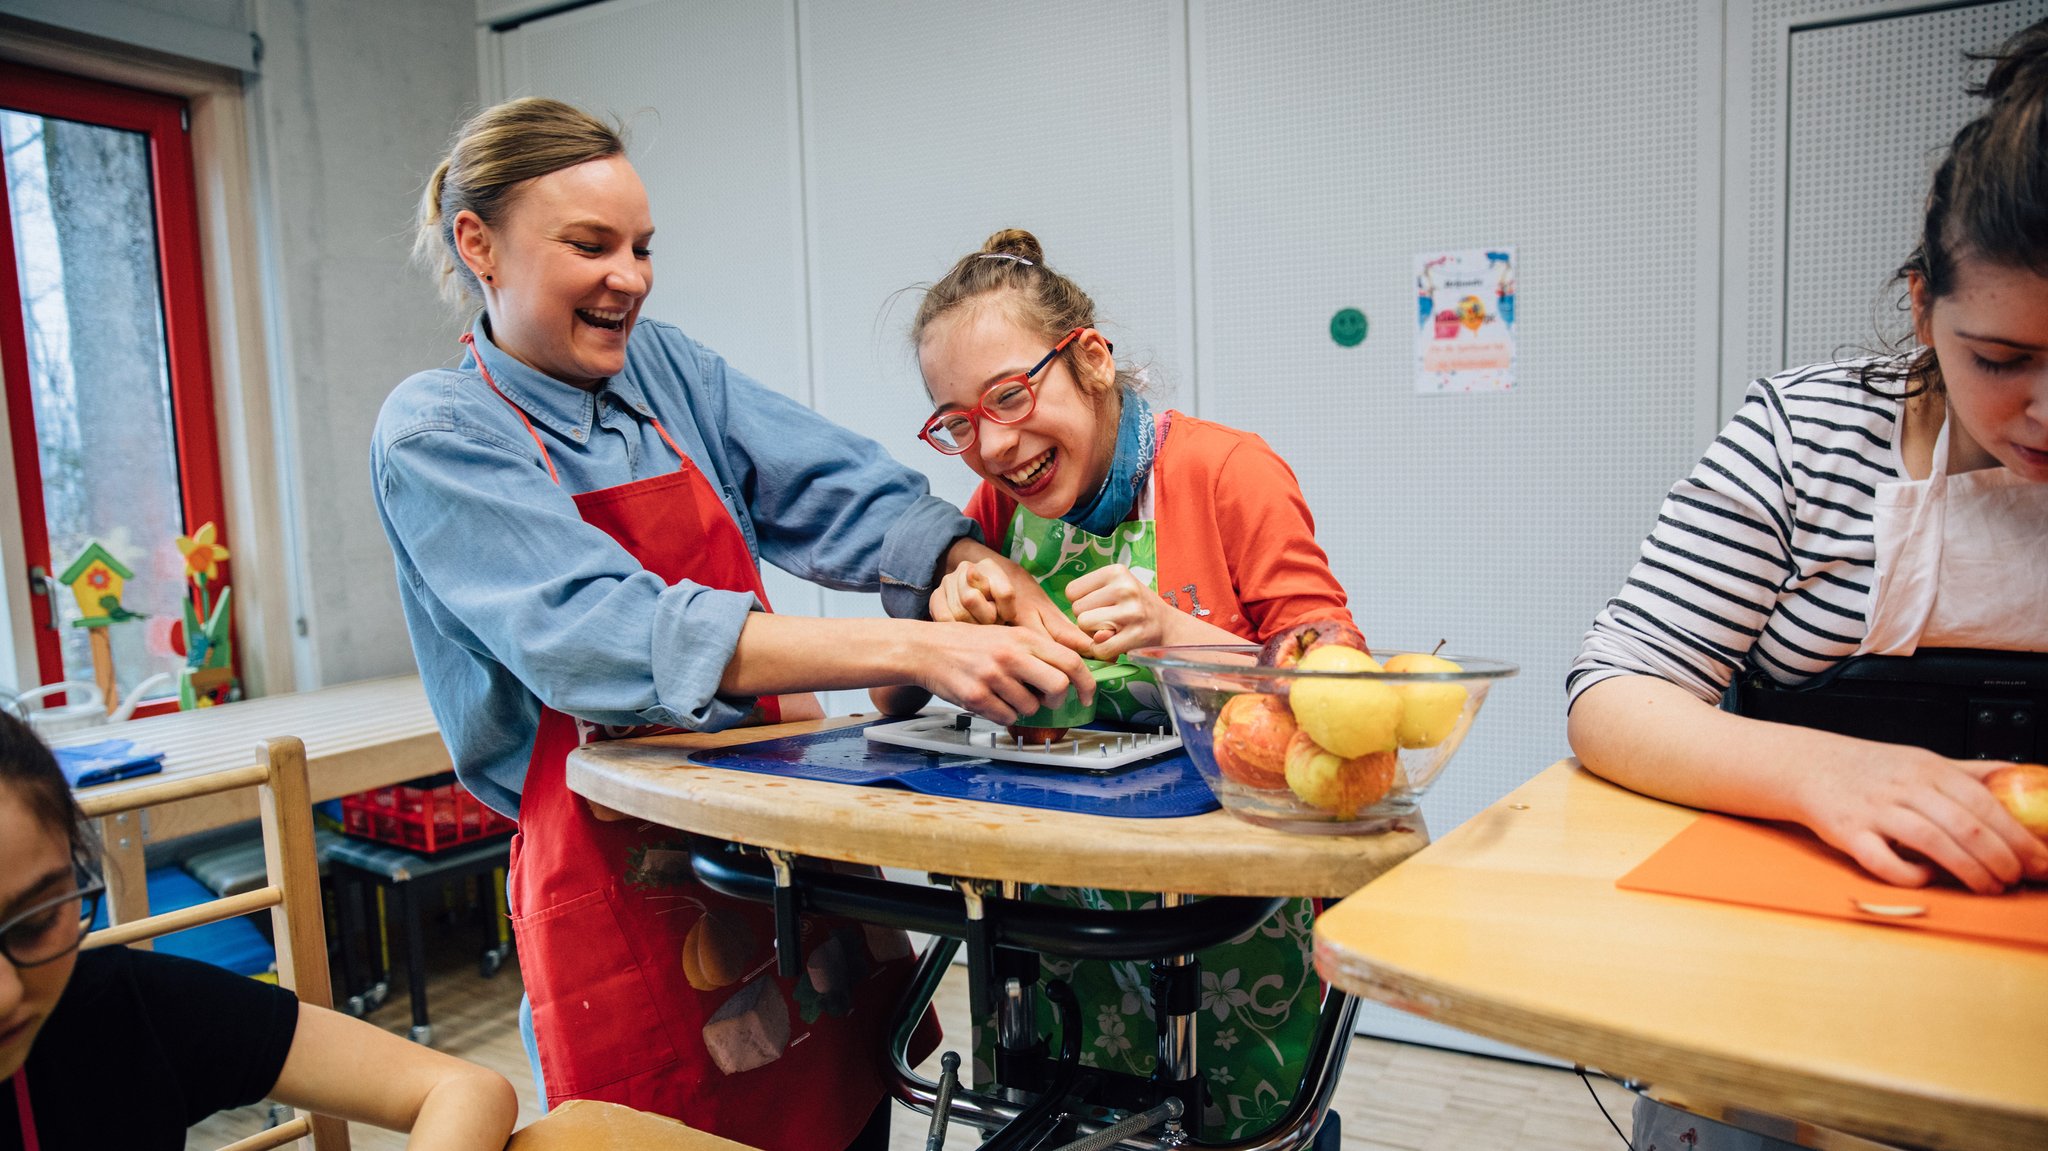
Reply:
x=649 y=989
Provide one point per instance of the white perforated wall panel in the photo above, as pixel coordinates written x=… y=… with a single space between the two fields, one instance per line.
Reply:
x=1873 y=107
x=1334 y=141
x=1338 y=141
x=929 y=125
x=707 y=91
x=1892 y=71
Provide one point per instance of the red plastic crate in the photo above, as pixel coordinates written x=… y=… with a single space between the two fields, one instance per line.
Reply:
x=425 y=815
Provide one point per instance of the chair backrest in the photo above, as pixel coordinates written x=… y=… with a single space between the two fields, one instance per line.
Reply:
x=291 y=892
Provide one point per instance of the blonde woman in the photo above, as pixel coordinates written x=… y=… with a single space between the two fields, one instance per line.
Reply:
x=578 y=510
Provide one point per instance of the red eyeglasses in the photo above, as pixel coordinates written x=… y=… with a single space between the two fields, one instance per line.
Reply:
x=1007 y=401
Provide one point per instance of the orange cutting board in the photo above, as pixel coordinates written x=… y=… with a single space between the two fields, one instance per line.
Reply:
x=1786 y=868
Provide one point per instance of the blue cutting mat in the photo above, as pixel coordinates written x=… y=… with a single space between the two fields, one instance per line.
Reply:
x=1163 y=788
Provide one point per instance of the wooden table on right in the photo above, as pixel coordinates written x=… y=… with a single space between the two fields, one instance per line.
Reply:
x=1511 y=927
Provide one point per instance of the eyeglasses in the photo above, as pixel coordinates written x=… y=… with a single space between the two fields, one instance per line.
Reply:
x=1007 y=401
x=53 y=928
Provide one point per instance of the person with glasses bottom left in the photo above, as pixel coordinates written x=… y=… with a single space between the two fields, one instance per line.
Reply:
x=124 y=1048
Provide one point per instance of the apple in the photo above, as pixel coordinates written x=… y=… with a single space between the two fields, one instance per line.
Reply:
x=1285 y=649
x=1025 y=733
x=1351 y=717
x=1428 y=710
x=2023 y=790
x=1250 y=740
x=1321 y=778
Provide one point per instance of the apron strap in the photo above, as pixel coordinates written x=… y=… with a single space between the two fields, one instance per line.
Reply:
x=545 y=458
x=25 y=1113
x=682 y=460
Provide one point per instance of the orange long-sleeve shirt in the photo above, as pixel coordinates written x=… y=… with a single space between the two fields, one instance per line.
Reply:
x=1231 y=522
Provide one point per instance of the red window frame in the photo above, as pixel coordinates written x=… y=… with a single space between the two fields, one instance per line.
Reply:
x=163 y=120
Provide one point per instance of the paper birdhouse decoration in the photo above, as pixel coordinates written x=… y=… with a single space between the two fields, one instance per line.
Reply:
x=96 y=579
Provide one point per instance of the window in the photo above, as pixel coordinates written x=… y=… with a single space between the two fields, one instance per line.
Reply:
x=103 y=346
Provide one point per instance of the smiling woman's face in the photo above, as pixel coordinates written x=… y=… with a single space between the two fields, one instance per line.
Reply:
x=35 y=865
x=566 y=268
x=1990 y=335
x=1058 y=455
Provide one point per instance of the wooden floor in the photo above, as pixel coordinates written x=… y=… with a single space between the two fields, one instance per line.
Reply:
x=1393 y=1096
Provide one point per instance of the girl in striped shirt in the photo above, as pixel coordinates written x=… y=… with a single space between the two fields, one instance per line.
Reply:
x=1870 y=507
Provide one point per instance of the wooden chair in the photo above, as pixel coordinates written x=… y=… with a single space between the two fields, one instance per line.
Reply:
x=292 y=894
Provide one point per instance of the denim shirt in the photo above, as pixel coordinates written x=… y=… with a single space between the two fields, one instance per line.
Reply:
x=512 y=601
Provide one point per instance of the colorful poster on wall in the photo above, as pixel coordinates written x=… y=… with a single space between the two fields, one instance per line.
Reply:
x=1465 y=321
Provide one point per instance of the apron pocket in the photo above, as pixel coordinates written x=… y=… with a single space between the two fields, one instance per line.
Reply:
x=593 y=1015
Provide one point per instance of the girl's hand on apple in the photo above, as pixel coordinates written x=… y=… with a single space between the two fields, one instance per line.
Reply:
x=1875 y=800
x=976 y=591
x=998 y=591
x=1117 y=611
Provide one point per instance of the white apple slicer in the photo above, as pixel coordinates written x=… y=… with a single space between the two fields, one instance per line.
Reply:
x=1080 y=749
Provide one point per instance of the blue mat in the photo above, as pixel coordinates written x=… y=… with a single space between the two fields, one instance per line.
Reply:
x=1163 y=788
x=235 y=944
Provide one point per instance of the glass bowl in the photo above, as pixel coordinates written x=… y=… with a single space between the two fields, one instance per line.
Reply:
x=1252 y=772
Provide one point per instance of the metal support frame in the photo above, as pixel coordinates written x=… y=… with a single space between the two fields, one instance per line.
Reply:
x=1006 y=936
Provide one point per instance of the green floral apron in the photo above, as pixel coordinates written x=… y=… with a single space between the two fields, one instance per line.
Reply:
x=1260 y=992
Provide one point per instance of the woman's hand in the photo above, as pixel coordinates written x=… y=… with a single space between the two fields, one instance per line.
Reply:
x=1877 y=802
x=999 y=672
x=1118 y=612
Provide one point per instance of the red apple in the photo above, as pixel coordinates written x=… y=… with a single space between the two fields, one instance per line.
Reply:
x=1251 y=737
x=2023 y=790
x=1285 y=649
x=1321 y=778
x=1024 y=733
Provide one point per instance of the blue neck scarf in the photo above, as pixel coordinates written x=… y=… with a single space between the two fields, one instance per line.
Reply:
x=1127 y=469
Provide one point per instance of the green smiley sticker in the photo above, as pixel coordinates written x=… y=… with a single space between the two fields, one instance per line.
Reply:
x=1348 y=327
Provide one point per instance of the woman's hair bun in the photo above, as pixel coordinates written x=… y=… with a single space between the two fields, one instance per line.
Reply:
x=2019 y=68
x=1014 y=242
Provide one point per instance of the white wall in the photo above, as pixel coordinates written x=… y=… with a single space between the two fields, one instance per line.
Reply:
x=353 y=108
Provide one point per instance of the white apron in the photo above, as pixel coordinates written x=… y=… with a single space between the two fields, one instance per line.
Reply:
x=1962 y=561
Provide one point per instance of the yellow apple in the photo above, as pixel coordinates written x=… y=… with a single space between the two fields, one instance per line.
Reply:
x=1323 y=779
x=1351 y=717
x=2023 y=790
x=1428 y=710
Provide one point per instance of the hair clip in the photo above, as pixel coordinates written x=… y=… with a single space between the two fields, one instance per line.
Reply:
x=1004 y=256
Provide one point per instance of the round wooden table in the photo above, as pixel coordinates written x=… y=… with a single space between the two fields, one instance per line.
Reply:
x=1212 y=854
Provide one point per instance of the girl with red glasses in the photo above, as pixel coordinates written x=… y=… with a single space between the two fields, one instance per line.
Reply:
x=1145 y=527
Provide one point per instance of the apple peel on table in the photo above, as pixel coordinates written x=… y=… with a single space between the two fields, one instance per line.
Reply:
x=2022 y=789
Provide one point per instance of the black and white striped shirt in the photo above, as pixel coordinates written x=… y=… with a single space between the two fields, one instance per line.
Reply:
x=1764 y=555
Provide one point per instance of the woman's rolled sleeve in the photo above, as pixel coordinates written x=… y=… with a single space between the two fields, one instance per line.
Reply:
x=696 y=630
x=912 y=551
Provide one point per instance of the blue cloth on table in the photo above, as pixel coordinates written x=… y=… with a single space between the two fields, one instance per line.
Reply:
x=87 y=764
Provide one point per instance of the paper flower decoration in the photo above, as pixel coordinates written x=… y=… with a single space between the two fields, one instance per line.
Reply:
x=202 y=555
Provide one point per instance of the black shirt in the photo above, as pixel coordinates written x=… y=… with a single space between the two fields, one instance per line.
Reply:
x=142 y=1046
